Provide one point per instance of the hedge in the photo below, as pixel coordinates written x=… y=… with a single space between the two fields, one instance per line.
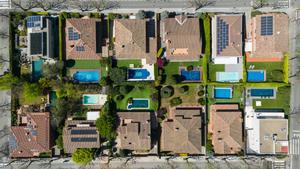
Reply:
x=286 y=68
x=207 y=53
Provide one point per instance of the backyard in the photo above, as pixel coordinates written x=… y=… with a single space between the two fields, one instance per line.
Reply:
x=212 y=69
x=126 y=63
x=274 y=70
x=87 y=64
x=237 y=96
x=282 y=100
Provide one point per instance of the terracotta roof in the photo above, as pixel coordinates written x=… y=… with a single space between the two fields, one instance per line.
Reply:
x=80 y=134
x=226 y=125
x=182 y=37
x=183 y=133
x=133 y=39
x=270 y=46
x=272 y=131
x=90 y=38
x=234 y=47
x=32 y=138
x=134 y=131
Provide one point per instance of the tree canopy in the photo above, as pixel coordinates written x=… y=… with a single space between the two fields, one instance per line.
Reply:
x=83 y=156
x=106 y=124
x=118 y=75
x=31 y=91
x=7 y=81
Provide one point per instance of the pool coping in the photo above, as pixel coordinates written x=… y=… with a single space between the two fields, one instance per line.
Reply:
x=73 y=71
x=231 y=93
x=248 y=93
x=139 y=108
x=150 y=75
x=257 y=70
x=98 y=104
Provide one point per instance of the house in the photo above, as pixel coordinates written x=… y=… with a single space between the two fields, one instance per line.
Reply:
x=183 y=131
x=32 y=137
x=135 y=39
x=134 y=131
x=42 y=36
x=267 y=132
x=182 y=39
x=80 y=134
x=227 y=42
x=226 y=126
x=85 y=39
x=267 y=37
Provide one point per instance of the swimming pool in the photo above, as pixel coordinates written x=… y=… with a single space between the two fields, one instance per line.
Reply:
x=138 y=104
x=87 y=76
x=37 y=69
x=223 y=93
x=262 y=92
x=138 y=74
x=256 y=76
x=227 y=76
x=193 y=75
x=90 y=99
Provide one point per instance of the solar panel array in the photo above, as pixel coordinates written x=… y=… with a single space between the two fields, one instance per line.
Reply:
x=79 y=48
x=84 y=139
x=222 y=35
x=33 y=21
x=72 y=34
x=83 y=132
x=266 y=25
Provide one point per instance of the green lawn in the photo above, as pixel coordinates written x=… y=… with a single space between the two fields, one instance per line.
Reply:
x=212 y=69
x=236 y=97
x=88 y=64
x=172 y=68
x=282 y=100
x=146 y=92
x=189 y=98
x=126 y=63
x=274 y=70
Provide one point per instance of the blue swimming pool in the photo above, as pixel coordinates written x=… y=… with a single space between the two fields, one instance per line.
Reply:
x=37 y=69
x=138 y=73
x=222 y=93
x=256 y=76
x=193 y=75
x=138 y=104
x=87 y=76
x=262 y=92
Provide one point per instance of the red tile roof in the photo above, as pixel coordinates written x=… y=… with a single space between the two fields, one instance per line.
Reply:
x=33 y=138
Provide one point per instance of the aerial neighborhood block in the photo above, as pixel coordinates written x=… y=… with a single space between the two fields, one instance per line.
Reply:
x=32 y=137
x=267 y=37
x=183 y=131
x=226 y=126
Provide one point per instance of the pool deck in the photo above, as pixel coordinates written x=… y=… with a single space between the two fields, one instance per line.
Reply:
x=248 y=94
x=231 y=94
x=150 y=69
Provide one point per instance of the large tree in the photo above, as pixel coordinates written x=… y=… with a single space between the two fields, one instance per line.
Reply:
x=83 y=156
x=47 y=5
x=25 y=5
x=118 y=75
x=197 y=4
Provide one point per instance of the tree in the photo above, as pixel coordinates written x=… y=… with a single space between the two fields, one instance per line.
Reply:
x=175 y=101
x=8 y=80
x=52 y=71
x=260 y=3
x=83 y=5
x=118 y=75
x=83 y=156
x=164 y=15
x=125 y=89
x=31 y=91
x=47 y=5
x=101 y=5
x=184 y=89
x=59 y=142
x=197 y=4
x=167 y=91
x=24 y=5
x=140 y=14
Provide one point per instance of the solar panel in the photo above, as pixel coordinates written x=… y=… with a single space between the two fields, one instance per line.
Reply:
x=72 y=34
x=84 y=139
x=79 y=48
x=266 y=25
x=33 y=21
x=222 y=32
x=83 y=132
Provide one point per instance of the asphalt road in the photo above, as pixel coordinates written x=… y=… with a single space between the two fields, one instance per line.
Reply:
x=5 y=116
x=4 y=41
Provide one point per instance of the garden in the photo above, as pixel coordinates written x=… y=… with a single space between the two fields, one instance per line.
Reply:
x=212 y=69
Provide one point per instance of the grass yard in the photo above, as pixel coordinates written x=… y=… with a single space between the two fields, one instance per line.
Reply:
x=172 y=68
x=126 y=63
x=136 y=92
x=190 y=98
x=236 y=97
x=282 y=100
x=274 y=70
x=212 y=69
x=88 y=64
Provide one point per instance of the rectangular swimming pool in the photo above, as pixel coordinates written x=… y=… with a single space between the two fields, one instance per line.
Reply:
x=138 y=104
x=37 y=69
x=87 y=76
x=256 y=76
x=193 y=75
x=222 y=93
x=227 y=76
x=262 y=92
x=140 y=74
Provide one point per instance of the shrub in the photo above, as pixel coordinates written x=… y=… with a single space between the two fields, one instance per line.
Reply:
x=130 y=100
x=177 y=78
x=162 y=112
x=120 y=97
x=31 y=91
x=201 y=93
x=118 y=75
x=125 y=89
x=164 y=15
x=190 y=68
x=75 y=15
x=184 y=89
x=201 y=101
x=140 y=14
x=160 y=52
x=167 y=91
x=175 y=101
x=83 y=156
x=154 y=97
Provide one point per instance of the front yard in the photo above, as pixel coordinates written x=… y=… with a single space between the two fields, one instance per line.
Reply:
x=274 y=70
